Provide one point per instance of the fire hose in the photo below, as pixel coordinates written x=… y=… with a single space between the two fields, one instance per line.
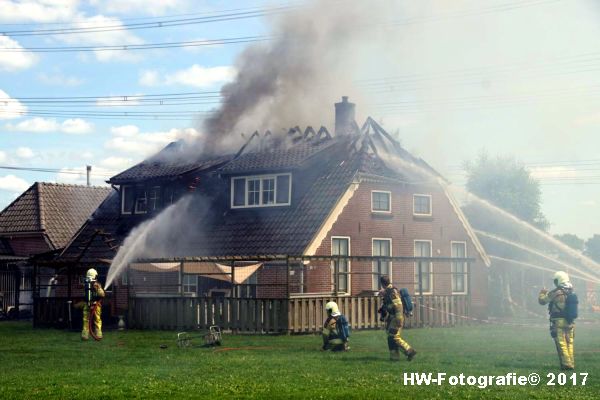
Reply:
x=91 y=319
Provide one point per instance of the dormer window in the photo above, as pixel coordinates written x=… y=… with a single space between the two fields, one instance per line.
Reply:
x=261 y=191
x=154 y=198
x=126 y=199
x=141 y=200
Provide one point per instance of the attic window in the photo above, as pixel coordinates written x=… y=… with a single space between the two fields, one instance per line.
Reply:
x=261 y=191
x=381 y=201
x=422 y=204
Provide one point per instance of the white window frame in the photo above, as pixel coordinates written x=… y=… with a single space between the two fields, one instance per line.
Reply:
x=466 y=269
x=260 y=191
x=389 y=211
x=156 y=199
x=128 y=187
x=135 y=200
x=184 y=284
x=374 y=263
x=349 y=276
x=415 y=195
x=430 y=291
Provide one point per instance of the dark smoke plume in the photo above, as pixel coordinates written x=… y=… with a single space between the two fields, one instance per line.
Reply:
x=295 y=78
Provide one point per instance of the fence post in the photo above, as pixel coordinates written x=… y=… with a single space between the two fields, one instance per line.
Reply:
x=421 y=298
x=181 y=293
x=233 y=294
x=287 y=272
x=468 y=305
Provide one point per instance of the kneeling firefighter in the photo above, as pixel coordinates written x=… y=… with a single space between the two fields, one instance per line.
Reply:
x=92 y=307
x=336 y=330
x=562 y=307
x=393 y=312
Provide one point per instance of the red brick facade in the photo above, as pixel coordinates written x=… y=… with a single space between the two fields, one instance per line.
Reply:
x=361 y=225
x=25 y=246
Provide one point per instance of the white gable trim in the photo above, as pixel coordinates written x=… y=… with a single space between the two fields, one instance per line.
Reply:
x=467 y=226
x=330 y=220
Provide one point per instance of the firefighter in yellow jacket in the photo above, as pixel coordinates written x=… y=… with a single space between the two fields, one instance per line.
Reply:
x=561 y=330
x=332 y=339
x=393 y=313
x=93 y=295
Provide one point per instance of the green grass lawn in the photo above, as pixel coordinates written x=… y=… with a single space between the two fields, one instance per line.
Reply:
x=47 y=364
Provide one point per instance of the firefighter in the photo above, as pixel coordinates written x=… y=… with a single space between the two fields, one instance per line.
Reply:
x=93 y=302
x=561 y=330
x=394 y=321
x=335 y=330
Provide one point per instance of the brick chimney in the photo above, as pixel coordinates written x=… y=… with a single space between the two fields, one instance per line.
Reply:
x=344 y=116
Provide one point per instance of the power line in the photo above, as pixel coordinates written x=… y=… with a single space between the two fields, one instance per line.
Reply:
x=165 y=23
x=229 y=10
x=147 y=46
x=54 y=170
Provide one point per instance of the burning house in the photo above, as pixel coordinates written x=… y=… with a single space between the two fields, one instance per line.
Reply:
x=300 y=215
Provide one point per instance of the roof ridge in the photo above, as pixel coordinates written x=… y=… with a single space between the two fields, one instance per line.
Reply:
x=72 y=185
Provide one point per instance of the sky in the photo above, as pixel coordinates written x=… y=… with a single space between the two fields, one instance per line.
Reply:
x=451 y=79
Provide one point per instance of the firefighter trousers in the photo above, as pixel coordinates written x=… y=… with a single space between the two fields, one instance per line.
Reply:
x=563 y=334
x=97 y=321
x=395 y=342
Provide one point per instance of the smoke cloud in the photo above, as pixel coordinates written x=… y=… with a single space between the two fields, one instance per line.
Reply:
x=294 y=78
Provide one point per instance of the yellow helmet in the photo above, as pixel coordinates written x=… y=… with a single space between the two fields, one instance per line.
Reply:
x=560 y=278
x=91 y=274
x=332 y=308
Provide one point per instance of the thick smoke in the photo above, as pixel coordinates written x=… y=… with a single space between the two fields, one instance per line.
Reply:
x=294 y=78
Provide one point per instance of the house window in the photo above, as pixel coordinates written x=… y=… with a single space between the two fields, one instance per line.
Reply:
x=458 y=268
x=154 y=198
x=239 y=192
x=253 y=192
x=190 y=283
x=261 y=191
x=126 y=199
x=340 y=246
x=423 y=249
x=422 y=204
x=169 y=194
x=381 y=247
x=141 y=200
x=268 y=191
x=381 y=201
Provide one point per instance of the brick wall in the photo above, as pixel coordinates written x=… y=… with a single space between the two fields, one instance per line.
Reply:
x=28 y=246
x=361 y=225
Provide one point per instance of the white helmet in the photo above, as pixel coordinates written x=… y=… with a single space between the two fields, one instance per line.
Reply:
x=332 y=308
x=91 y=274
x=560 y=278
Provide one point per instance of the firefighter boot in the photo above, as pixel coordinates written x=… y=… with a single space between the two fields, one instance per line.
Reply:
x=410 y=354
x=394 y=355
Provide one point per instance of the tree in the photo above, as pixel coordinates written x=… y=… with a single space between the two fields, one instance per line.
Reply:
x=573 y=241
x=592 y=248
x=507 y=184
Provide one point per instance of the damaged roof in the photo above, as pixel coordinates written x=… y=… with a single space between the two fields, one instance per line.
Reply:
x=56 y=210
x=333 y=164
x=279 y=159
x=168 y=163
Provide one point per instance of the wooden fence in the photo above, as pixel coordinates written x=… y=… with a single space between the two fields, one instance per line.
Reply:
x=243 y=315
x=296 y=315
